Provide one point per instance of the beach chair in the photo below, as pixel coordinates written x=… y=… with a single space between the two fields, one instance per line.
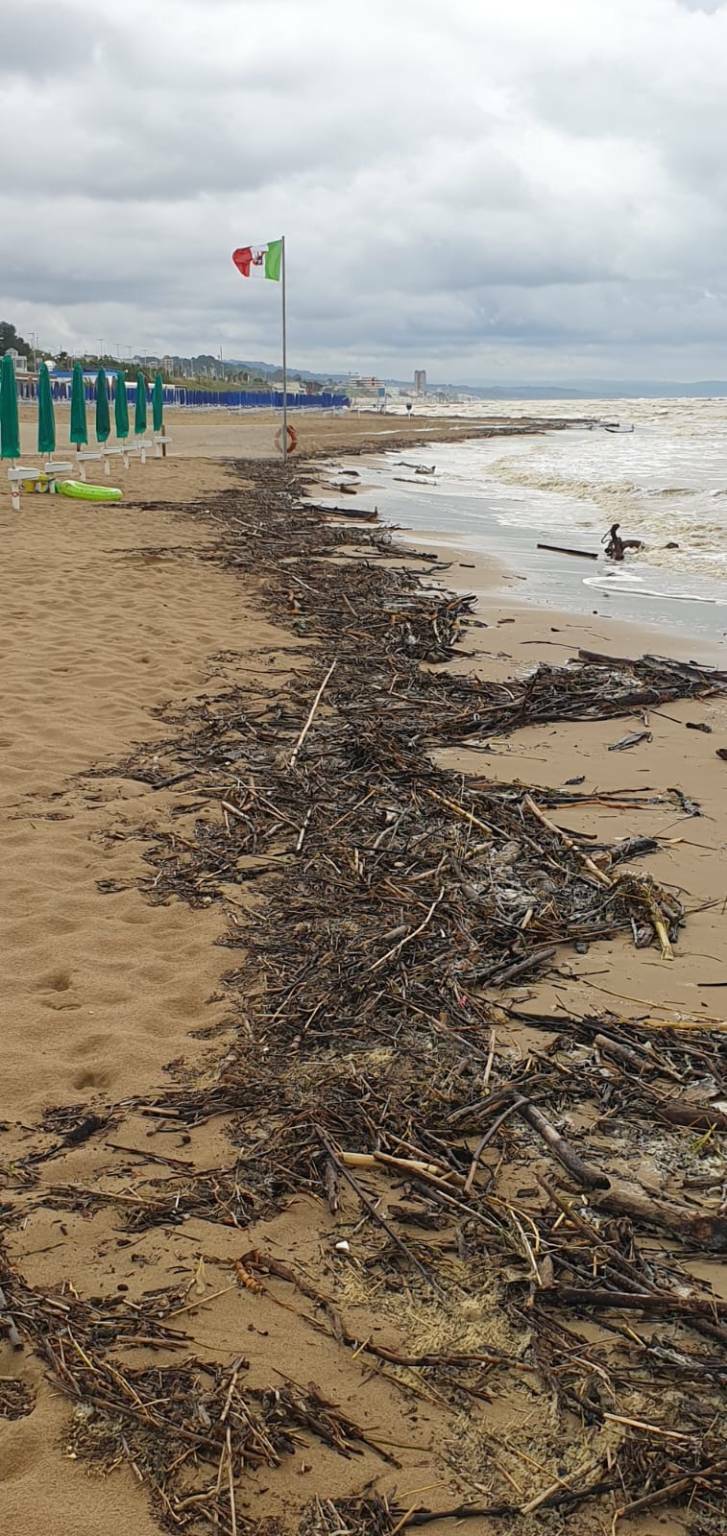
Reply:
x=122 y=452
x=140 y=449
x=88 y=456
x=16 y=475
x=52 y=470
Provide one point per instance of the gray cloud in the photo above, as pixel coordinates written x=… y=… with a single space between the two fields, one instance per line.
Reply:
x=39 y=40
x=485 y=190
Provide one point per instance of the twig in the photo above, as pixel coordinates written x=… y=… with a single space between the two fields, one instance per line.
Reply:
x=409 y=936
x=303 y=830
x=670 y=1490
x=598 y=874
x=588 y=1177
x=376 y=1215
x=233 y=1511
x=459 y=810
x=482 y=1143
x=542 y=1498
x=313 y=708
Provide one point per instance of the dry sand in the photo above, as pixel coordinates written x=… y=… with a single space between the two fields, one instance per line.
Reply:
x=102 y=992
x=215 y=433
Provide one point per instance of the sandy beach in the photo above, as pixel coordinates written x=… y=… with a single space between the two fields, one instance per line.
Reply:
x=125 y=936
x=217 y=433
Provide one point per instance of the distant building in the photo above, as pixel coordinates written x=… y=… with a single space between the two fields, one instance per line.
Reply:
x=420 y=381
x=20 y=362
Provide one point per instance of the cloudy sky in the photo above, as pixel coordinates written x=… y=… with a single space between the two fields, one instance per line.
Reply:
x=496 y=190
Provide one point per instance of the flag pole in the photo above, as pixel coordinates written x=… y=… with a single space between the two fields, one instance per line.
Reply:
x=285 y=362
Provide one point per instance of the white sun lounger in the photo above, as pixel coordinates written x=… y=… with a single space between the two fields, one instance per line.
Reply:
x=141 y=447
x=53 y=469
x=90 y=456
x=16 y=474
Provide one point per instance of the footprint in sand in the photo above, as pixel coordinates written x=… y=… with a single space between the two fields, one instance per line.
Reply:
x=54 y=988
x=55 y=981
x=97 y=1078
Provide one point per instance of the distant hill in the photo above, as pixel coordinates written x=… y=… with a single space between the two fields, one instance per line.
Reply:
x=235 y=368
x=580 y=389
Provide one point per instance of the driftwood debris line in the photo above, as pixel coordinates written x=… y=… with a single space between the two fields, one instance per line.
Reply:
x=198 y=1408
x=395 y=899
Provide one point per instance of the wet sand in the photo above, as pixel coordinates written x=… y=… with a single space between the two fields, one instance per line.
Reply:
x=529 y=572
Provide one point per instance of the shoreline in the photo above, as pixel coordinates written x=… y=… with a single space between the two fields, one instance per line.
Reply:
x=211 y=846
x=497 y=587
x=549 y=581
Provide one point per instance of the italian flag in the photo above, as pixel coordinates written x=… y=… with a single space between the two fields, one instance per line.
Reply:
x=268 y=257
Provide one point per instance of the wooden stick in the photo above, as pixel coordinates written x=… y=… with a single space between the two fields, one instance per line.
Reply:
x=567 y=842
x=412 y=1165
x=652 y=1429
x=540 y=1498
x=303 y=830
x=313 y=709
x=482 y=1143
x=489 y=1063
x=660 y=928
x=405 y=1518
x=233 y=1511
x=589 y=1178
x=561 y=549
x=409 y=936
x=376 y=1216
x=669 y=1490
x=228 y=1399
x=459 y=810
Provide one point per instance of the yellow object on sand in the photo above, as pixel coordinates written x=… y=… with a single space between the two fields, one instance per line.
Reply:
x=39 y=482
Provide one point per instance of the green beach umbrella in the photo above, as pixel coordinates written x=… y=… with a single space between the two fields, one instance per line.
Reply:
x=157 y=404
x=121 y=408
x=79 y=431
x=46 y=415
x=9 y=422
x=140 y=412
x=103 y=420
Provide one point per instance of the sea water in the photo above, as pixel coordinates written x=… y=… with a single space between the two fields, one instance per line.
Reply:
x=665 y=483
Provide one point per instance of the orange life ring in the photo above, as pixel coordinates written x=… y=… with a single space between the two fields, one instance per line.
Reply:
x=292 y=439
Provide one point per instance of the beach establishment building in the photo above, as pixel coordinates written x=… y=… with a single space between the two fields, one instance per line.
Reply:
x=208 y=399
x=20 y=362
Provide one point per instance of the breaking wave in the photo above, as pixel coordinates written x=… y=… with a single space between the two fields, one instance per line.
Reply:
x=542 y=480
x=512 y=473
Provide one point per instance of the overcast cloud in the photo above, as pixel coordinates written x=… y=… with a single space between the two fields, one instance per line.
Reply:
x=492 y=189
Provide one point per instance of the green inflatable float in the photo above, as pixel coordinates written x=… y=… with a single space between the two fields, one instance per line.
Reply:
x=80 y=491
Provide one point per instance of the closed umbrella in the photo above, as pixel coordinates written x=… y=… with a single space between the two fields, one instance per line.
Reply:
x=103 y=420
x=79 y=431
x=46 y=415
x=140 y=412
x=157 y=404
x=9 y=421
x=121 y=408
